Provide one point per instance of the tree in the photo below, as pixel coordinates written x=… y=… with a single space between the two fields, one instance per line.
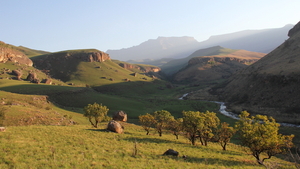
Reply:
x=147 y=121
x=210 y=123
x=260 y=134
x=192 y=121
x=161 y=120
x=224 y=134
x=96 y=113
x=175 y=126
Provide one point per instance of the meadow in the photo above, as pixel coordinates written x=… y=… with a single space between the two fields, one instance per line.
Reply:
x=80 y=146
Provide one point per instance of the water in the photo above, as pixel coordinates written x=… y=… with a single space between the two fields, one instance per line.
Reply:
x=223 y=111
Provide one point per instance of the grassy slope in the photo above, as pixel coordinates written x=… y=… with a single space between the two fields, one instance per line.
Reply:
x=83 y=147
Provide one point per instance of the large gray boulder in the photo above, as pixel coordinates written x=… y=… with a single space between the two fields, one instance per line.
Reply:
x=115 y=126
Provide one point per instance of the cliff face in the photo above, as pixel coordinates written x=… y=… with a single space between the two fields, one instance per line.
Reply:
x=269 y=86
x=8 y=53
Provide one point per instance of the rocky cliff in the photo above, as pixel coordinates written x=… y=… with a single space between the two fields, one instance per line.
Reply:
x=9 y=53
x=269 y=86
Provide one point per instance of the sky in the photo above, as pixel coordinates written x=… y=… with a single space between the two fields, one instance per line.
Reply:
x=56 y=25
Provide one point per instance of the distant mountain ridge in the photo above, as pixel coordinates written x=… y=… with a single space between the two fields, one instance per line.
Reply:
x=162 y=47
x=264 y=40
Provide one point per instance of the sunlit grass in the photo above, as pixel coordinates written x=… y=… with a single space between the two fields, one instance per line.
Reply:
x=83 y=147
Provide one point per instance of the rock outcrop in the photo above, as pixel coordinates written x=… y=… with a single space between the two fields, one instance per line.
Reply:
x=115 y=126
x=9 y=53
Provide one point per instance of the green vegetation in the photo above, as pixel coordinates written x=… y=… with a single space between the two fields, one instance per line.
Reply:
x=80 y=146
x=96 y=113
x=46 y=127
x=260 y=134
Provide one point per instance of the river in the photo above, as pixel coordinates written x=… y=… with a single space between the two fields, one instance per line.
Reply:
x=223 y=111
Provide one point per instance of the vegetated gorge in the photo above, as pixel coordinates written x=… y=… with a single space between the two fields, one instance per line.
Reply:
x=82 y=109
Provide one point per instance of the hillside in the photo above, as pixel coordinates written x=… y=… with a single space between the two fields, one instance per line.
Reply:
x=269 y=86
x=84 y=67
x=215 y=68
x=175 y=65
x=81 y=146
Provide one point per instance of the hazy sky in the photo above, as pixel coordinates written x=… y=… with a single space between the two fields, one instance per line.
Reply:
x=55 y=25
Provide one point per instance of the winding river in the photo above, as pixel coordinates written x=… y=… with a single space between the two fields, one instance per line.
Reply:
x=223 y=111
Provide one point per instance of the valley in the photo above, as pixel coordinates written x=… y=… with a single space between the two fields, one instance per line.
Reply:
x=43 y=92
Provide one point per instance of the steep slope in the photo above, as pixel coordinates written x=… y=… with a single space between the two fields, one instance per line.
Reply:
x=271 y=85
x=162 y=47
x=215 y=68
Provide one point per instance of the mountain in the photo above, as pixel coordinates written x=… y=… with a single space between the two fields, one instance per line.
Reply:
x=162 y=47
x=215 y=68
x=264 y=40
x=269 y=86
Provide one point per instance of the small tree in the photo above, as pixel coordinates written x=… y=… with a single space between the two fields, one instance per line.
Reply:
x=210 y=123
x=175 y=126
x=192 y=121
x=96 y=113
x=260 y=134
x=147 y=121
x=224 y=134
x=162 y=118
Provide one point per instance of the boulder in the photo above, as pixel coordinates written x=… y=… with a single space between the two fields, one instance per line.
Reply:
x=120 y=116
x=32 y=77
x=17 y=73
x=171 y=152
x=2 y=129
x=114 y=126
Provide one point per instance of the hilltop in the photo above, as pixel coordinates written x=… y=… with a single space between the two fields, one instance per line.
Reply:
x=215 y=68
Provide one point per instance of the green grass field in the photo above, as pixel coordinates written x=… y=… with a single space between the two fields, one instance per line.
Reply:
x=80 y=146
